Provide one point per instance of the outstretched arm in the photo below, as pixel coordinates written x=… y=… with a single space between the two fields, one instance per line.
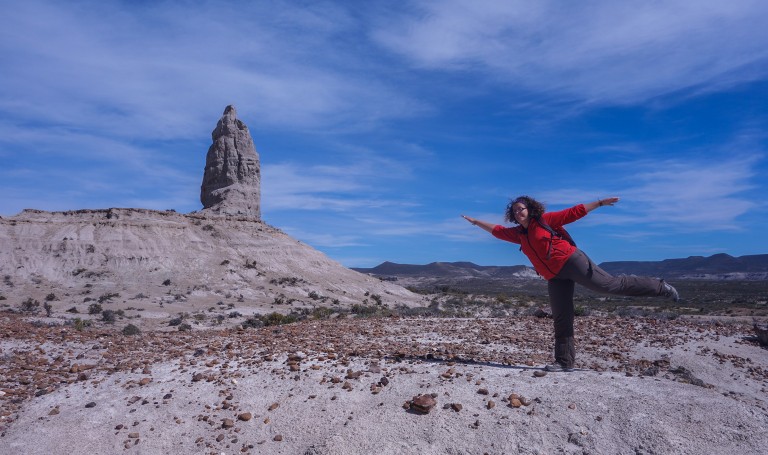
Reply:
x=600 y=202
x=483 y=224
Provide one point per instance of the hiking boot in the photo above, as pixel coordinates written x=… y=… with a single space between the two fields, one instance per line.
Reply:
x=557 y=368
x=667 y=290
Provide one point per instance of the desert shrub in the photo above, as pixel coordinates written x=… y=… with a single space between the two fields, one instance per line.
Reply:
x=253 y=323
x=185 y=328
x=48 y=309
x=108 y=296
x=2 y=297
x=581 y=310
x=364 y=311
x=80 y=324
x=94 y=308
x=77 y=272
x=108 y=316
x=30 y=306
x=321 y=313
x=50 y=297
x=167 y=282
x=208 y=227
x=314 y=295
x=225 y=262
x=277 y=319
x=131 y=329
x=376 y=298
x=234 y=314
x=175 y=321
x=250 y=264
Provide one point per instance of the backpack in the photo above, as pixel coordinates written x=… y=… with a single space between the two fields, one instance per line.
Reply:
x=561 y=232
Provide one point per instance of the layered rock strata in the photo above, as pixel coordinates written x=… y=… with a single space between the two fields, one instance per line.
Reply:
x=232 y=178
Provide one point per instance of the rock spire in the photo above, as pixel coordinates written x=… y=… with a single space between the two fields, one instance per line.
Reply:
x=232 y=178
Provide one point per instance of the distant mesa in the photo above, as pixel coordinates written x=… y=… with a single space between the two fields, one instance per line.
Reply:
x=232 y=178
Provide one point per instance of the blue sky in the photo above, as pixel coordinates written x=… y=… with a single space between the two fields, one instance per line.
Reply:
x=379 y=123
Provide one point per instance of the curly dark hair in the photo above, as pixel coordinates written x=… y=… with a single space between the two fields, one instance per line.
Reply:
x=535 y=208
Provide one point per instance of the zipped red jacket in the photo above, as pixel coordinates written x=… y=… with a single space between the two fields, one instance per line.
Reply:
x=547 y=253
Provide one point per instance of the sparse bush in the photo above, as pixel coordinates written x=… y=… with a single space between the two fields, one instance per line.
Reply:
x=50 y=297
x=72 y=310
x=581 y=310
x=185 y=328
x=2 y=297
x=175 y=321
x=48 y=309
x=314 y=295
x=167 y=282
x=30 y=306
x=253 y=323
x=322 y=313
x=234 y=314
x=130 y=330
x=81 y=324
x=108 y=296
x=277 y=319
x=225 y=262
x=250 y=264
x=94 y=308
x=108 y=316
x=376 y=298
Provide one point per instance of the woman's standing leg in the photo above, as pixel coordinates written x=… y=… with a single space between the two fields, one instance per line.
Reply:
x=561 y=303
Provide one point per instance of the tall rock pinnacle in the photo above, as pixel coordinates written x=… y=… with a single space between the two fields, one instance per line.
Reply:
x=232 y=178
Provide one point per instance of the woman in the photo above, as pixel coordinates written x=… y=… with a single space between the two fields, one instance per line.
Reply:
x=562 y=265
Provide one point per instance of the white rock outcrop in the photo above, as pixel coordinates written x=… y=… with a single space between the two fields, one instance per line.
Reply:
x=232 y=178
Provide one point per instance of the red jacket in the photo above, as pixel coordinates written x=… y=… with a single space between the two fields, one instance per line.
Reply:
x=548 y=254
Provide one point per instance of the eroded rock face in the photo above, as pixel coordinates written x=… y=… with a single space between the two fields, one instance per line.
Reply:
x=232 y=178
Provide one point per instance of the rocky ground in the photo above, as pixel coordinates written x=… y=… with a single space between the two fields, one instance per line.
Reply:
x=384 y=385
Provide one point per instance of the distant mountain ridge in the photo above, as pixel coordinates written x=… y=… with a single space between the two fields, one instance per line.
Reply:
x=716 y=267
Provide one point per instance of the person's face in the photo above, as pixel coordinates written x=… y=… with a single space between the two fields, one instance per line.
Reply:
x=521 y=213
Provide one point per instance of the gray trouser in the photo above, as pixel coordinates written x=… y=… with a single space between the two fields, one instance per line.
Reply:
x=580 y=269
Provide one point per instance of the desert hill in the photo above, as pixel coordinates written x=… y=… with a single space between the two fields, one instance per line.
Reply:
x=172 y=263
x=152 y=265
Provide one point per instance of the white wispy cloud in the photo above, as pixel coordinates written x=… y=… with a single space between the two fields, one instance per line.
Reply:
x=594 y=51
x=149 y=68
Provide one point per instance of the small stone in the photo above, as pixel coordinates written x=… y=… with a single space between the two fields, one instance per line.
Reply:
x=246 y=416
x=483 y=391
x=491 y=404
x=54 y=411
x=167 y=396
x=422 y=404
x=456 y=407
x=145 y=381
x=278 y=438
x=273 y=406
x=228 y=423
x=92 y=404
x=133 y=435
x=220 y=437
x=539 y=374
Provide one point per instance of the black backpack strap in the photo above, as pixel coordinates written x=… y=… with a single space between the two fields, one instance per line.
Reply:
x=563 y=234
